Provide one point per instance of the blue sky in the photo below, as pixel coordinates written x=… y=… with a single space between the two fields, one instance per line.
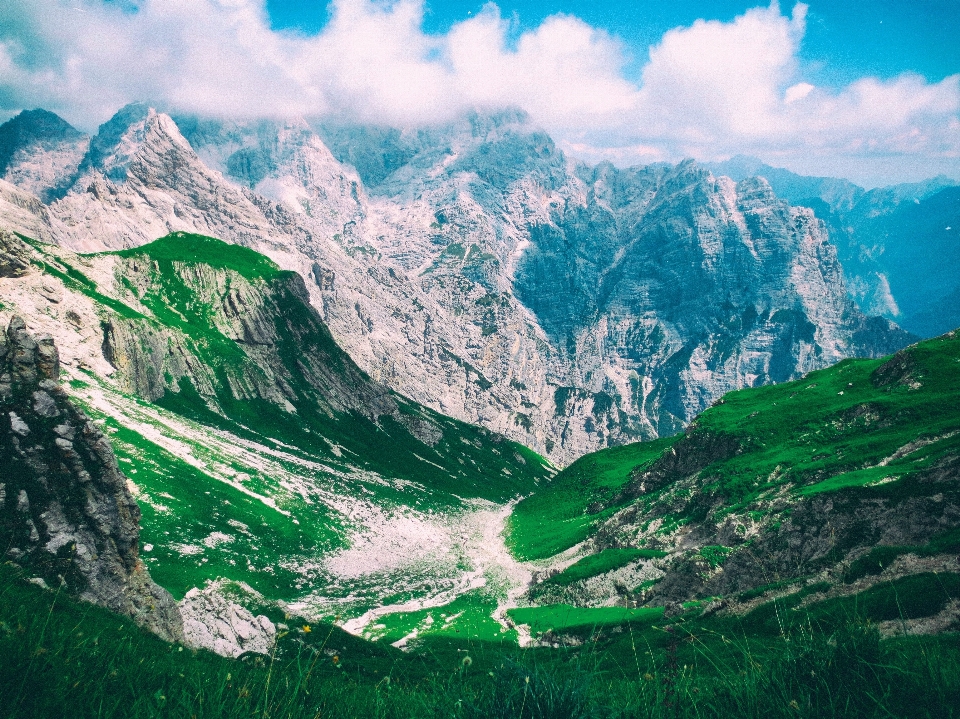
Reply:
x=864 y=90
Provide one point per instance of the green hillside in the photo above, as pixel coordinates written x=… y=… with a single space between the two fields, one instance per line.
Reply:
x=65 y=658
x=578 y=498
x=850 y=475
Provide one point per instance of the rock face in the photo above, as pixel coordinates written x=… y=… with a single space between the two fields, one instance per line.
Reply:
x=898 y=244
x=477 y=270
x=218 y=333
x=40 y=153
x=13 y=255
x=66 y=514
x=211 y=621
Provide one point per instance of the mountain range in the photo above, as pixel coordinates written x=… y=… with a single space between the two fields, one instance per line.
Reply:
x=474 y=268
x=330 y=357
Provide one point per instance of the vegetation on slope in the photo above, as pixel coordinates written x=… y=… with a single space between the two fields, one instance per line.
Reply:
x=579 y=497
x=458 y=460
x=259 y=450
x=194 y=249
x=859 y=424
x=855 y=424
x=835 y=494
x=61 y=657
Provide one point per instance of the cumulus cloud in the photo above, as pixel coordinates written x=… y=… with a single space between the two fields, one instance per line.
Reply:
x=708 y=90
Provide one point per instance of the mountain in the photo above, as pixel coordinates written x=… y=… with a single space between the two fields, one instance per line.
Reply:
x=905 y=250
x=478 y=271
x=66 y=514
x=497 y=196
x=788 y=529
x=895 y=243
x=839 y=194
x=271 y=471
x=844 y=481
x=40 y=153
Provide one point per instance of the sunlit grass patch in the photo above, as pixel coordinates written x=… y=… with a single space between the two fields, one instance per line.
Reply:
x=603 y=562
x=563 y=617
x=563 y=512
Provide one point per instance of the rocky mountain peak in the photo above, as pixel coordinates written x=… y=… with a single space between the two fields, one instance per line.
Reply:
x=33 y=127
x=66 y=513
x=119 y=139
x=40 y=152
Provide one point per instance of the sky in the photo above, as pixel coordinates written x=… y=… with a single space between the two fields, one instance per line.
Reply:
x=868 y=90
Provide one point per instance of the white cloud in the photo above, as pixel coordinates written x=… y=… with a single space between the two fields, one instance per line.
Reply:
x=797 y=92
x=708 y=90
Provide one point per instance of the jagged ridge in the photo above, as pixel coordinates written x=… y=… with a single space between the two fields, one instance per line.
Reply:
x=484 y=274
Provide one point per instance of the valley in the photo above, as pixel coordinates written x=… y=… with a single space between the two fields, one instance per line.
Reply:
x=450 y=396
x=263 y=479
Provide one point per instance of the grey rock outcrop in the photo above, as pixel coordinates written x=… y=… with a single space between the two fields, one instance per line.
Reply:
x=66 y=514
x=211 y=621
x=13 y=255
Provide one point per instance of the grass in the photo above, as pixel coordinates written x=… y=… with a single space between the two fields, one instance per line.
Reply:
x=564 y=512
x=466 y=619
x=882 y=556
x=187 y=248
x=605 y=561
x=869 y=427
x=567 y=619
x=831 y=430
x=61 y=656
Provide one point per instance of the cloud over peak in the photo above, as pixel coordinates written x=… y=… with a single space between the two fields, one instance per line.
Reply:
x=708 y=90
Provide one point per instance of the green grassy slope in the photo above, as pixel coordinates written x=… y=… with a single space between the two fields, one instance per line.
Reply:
x=460 y=462
x=63 y=658
x=843 y=426
x=260 y=452
x=849 y=471
x=857 y=423
x=563 y=513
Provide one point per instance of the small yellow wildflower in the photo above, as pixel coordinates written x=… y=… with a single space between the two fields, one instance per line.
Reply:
x=306 y=628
